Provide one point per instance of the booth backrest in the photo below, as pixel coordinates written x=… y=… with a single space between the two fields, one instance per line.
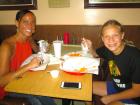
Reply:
x=76 y=32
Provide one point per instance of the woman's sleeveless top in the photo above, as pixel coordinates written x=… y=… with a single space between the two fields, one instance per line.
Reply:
x=22 y=52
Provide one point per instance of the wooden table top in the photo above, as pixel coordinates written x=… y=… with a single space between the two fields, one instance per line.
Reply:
x=41 y=83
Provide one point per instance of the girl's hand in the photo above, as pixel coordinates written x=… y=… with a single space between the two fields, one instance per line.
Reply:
x=87 y=43
x=106 y=100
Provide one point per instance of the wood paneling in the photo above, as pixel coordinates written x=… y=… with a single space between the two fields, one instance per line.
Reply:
x=50 y=32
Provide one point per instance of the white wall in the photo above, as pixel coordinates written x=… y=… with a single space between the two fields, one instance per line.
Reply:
x=76 y=15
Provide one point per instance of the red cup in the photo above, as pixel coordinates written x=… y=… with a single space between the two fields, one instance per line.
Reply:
x=66 y=38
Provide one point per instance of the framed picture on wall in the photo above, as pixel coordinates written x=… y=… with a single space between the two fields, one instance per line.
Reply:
x=111 y=3
x=18 y=4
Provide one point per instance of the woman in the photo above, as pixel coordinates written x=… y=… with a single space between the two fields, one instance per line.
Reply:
x=124 y=66
x=15 y=49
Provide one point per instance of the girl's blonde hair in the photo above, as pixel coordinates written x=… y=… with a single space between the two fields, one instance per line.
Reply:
x=120 y=27
x=113 y=23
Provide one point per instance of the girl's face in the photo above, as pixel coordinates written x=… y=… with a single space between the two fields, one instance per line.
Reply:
x=26 y=25
x=112 y=38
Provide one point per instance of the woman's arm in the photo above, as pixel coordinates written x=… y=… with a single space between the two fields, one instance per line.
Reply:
x=5 y=56
x=6 y=52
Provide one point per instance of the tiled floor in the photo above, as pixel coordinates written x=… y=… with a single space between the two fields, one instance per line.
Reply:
x=59 y=102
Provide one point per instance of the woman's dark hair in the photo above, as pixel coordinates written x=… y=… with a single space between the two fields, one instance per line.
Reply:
x=21 y=13
x=113 y=23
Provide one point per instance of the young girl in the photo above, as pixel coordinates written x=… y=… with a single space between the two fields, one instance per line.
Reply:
x=124 y=66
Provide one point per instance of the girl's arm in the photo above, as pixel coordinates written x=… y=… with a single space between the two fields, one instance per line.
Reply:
x=127 y=94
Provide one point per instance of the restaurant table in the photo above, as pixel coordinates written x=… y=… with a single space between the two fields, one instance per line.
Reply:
x=41 y=83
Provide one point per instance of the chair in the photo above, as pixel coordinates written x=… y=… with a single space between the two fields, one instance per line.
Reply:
x=67 y=102
x=14 y=101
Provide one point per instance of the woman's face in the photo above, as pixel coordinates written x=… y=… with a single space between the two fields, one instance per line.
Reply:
x=112 y=38
x=26 y=26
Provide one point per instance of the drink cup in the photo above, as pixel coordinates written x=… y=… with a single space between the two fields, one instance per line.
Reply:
x=54 y=73
x=57 y=48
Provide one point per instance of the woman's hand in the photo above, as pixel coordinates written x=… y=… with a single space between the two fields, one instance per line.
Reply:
x=35 y=62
